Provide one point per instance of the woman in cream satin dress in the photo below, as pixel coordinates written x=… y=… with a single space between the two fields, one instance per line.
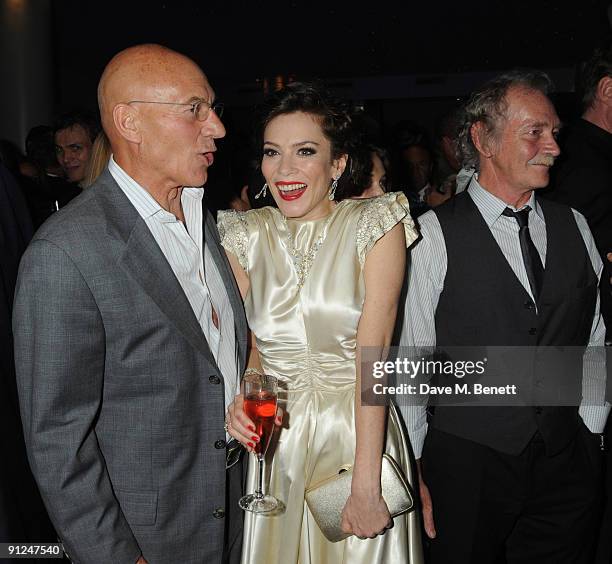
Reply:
x=320 y=279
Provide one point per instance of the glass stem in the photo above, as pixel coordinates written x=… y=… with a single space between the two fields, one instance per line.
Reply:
x=259 y=491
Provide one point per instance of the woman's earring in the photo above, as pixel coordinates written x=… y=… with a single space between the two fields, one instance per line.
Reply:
x=262 y=192
x=332 y=192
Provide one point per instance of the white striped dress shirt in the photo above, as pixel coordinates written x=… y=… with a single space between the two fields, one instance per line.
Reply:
x=192 y=264
x=427 y=271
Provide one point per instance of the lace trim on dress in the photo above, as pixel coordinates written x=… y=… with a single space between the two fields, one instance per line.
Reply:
x=380 y=215
x=234 y=235
x=302 y=261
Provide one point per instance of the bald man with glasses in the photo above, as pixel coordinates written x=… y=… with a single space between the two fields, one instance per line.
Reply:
x=131 y=337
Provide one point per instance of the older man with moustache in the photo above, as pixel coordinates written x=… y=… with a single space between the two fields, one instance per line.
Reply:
x=130 y=335
x=512 y=484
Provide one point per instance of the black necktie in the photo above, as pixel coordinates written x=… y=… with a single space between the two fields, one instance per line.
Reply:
x=531 y=258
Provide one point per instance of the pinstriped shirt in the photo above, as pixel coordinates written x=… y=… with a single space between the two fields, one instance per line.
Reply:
x=184 y=247
x=427 y=272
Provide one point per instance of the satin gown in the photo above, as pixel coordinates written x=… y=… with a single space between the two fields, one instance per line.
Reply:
x=304 y=303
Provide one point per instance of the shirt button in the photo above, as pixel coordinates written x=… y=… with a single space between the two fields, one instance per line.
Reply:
x=220 y=444
x=214 y=379
x=219 y=513
x=533 y=331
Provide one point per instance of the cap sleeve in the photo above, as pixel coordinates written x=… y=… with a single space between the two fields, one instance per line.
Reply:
x=380 y=215
x=234 y=235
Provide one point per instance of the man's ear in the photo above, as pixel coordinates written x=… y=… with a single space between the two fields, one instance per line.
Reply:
x=604 y=90
x=339 y=165
x=126 y=122
x=481 y=139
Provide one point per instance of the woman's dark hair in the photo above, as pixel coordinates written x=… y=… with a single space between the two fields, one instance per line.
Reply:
x=335 y=118
x=361 y=177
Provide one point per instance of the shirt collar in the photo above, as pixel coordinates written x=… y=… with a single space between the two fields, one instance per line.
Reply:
x=142 y=200
x=491 y=207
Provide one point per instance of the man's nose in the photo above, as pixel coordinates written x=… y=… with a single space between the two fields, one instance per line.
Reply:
x=214 y=126
x=557 y=149
x=552 y=147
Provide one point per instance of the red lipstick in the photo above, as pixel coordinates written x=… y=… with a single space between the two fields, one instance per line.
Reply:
x=290 y=195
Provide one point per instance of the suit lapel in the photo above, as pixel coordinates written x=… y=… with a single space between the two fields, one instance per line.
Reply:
x=144 y=261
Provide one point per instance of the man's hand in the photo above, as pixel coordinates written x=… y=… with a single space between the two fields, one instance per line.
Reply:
x=428 y=519
x=141 y=560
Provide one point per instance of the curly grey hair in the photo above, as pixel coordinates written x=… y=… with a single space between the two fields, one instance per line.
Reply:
x=488 y=105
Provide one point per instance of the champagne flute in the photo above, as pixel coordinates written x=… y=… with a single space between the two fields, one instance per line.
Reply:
x=260 y=398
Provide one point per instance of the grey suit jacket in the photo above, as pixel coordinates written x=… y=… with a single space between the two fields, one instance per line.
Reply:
x=121 y=399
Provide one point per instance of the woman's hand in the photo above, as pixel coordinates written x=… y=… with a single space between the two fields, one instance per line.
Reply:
x=366 y=514
x=239 y=425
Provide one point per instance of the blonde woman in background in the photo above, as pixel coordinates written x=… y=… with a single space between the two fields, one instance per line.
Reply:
x=100 y=155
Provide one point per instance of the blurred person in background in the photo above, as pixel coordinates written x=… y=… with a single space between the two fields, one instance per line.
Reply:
x=22 y=514
x=75 y=133
x=413 y=163
x=584 y=181
x=100 y=155
x=450 y=176
x=48 y=190
x=369 y=175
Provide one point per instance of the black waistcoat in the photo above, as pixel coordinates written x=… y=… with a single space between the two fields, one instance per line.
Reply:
x=484 y=303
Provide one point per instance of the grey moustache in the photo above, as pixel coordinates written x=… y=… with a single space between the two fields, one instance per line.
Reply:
x=546 y=161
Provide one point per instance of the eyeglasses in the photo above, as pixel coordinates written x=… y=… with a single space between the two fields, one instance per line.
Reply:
x=200 y=109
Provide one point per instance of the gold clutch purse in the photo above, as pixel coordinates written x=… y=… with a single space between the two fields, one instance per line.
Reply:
x=327 y=499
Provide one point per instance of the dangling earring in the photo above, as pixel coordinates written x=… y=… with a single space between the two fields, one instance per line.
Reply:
x=332 y=192
x=262 y=192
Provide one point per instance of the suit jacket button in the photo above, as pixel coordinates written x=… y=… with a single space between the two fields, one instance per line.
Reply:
x=219 y=513
x=538 y=410
x=528 y=304
x=220 y=444
x=214 y=379
x=533 y=331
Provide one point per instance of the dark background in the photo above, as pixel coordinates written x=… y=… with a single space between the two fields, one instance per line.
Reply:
x=239 y=42
x=382 y=50
x=407 y=60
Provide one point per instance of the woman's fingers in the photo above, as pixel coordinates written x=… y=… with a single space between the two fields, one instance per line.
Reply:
x=278 y=421
x=365 y=525
x=239 y=425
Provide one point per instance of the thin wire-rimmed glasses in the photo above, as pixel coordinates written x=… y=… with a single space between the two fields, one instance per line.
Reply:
x=200 y=109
